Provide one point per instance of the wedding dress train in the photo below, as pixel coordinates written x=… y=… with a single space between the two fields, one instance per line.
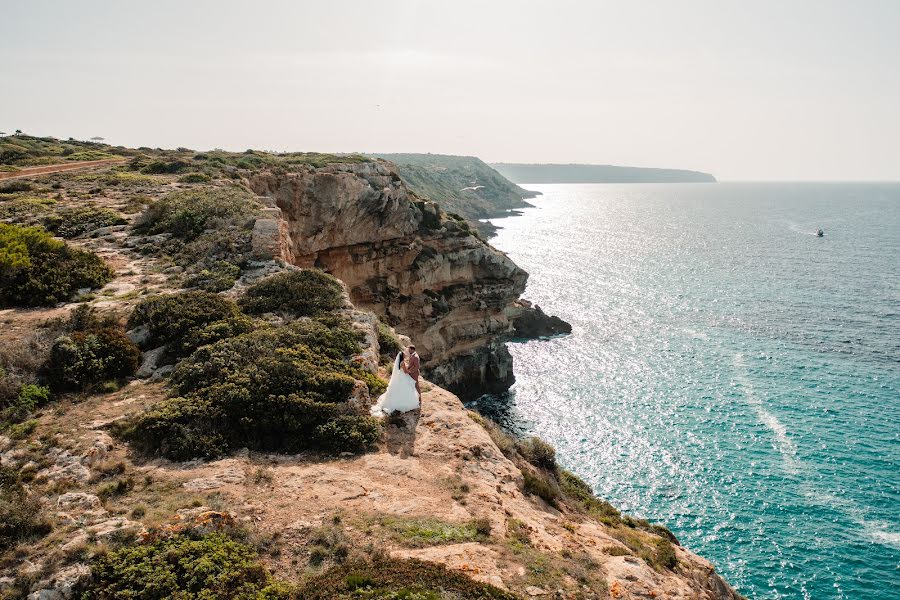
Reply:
x=400 y=395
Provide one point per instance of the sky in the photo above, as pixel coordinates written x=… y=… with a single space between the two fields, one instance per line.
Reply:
x=762 y=90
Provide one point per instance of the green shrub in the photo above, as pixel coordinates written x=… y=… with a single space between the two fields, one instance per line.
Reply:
x=119 y=488
x=72 y=222
x=161 y=167
x=86 y=358
x=538 y=452
x=19 y=511
x=37 y=270
x=376 y=384
x=305 y=293
x=230 y=244
x=194 y=178
x=581 y=493
x=188 y=213
x=281 y=389
x=542 y=486
x=30 y=398
x=347 y=433
x=664 y=554
x=212 y=567
x=188 y=320
x=382 y=577
x=12 y=187
x=220 y=277
x=26 y=210
x=388 y=344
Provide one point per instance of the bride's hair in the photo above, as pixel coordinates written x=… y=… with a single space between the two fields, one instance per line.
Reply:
x=400 y=354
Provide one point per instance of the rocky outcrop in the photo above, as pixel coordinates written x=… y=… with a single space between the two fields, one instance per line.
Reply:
x=533 y=322
x=402 y=257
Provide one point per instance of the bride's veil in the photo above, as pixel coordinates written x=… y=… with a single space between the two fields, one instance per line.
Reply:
x=394 y=375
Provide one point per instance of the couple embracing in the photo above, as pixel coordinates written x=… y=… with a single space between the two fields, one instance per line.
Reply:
x=403 y=392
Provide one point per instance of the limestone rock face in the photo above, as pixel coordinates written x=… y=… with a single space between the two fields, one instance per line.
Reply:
x=401 y=257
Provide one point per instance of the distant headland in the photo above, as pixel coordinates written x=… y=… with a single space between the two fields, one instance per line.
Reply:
x=572 y=173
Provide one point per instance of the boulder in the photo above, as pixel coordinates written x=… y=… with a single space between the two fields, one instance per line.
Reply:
x=63 y=585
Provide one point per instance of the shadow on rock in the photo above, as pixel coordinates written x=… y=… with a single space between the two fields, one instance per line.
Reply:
x=400 y=432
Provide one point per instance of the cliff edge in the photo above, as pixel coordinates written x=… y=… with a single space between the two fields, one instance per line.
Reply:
x=406 y=260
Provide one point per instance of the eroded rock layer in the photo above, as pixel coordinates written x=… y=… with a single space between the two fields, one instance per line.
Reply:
x=405 y=259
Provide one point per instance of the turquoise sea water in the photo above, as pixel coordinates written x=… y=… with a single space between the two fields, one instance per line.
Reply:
x=730 y=374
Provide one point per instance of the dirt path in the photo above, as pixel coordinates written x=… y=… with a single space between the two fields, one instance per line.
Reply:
x=44 y=169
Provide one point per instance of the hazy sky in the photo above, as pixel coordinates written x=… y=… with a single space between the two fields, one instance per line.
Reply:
x=745 y=90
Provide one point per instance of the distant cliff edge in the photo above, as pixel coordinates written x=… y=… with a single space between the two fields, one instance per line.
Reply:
x=548 y=173
x=464 y=185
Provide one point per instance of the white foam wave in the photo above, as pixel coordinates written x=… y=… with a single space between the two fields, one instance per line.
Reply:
x=783 y=442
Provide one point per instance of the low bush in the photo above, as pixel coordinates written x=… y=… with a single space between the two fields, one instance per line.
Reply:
x=538 y=452
x=194 y=178
x=19 y=512
x=37 y=270
x=188 y=320
x=305 y=293
x=89 y=155
x=26 y=210
x=72 y=222
x=184 y=566
x=188 y=213
x=281 y=389
x=541 y=485
x=230 y=244
x=85 y=358
x=218 y=278
x=162 y=167
x=347 y=433
x=12 y=187
x=382 y=577
x=388 y=343
x=583 y=496
x=29 y=398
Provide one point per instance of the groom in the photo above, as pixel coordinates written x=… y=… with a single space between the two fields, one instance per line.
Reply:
x=413 y=367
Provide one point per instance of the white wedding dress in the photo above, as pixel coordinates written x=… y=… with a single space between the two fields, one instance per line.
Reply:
x=400 y=395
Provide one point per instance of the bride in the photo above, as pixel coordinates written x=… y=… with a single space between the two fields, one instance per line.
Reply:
x=400 y=395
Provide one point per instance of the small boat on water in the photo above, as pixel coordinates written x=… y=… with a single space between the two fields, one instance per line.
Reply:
x=820 y=232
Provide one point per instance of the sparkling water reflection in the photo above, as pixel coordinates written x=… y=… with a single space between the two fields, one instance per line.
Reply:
x=730 y=374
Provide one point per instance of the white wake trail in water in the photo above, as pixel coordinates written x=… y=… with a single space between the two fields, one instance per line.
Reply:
x=876 y=531
x=783 y=443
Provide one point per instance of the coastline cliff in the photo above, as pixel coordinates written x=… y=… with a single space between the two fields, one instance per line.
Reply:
x=464 y=185
x=406 y=260
x=199 y=394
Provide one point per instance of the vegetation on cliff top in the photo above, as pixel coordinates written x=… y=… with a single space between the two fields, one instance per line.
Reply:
x=186 y=565
x=188 y=213
x=27 y=151
x=244 y=384
x=461 y=184
x=306 y=293
x=187 y=320
x=37 y=270
x=381 y=578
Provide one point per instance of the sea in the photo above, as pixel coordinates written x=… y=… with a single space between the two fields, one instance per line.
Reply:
x=730 y=374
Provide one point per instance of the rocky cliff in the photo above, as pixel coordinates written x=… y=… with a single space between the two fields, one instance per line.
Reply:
x=441 y=484
x=465 y=185
x=403 y=258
